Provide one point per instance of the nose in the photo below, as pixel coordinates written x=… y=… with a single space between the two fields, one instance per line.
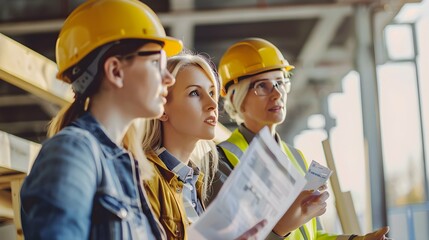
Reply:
x=276 y=93
x=168 y=79
x=212 y=104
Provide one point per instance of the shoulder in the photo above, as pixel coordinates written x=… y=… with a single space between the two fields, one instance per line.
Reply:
x=70 y=137
x=68 y=143
x=158 y=179
x=64 y=153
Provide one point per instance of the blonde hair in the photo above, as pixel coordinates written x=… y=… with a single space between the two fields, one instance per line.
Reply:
x=205 y=154
x=234 y=99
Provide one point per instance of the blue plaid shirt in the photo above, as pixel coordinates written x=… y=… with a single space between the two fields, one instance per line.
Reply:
x=189 y=176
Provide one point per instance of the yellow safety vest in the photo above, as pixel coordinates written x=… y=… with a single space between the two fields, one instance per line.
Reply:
x=236 y=145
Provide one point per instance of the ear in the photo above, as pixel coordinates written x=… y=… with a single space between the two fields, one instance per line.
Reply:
x=164 y=117
x=114 y=72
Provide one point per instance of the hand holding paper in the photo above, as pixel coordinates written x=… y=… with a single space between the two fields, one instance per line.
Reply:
x=317 y=175
x=262 y=186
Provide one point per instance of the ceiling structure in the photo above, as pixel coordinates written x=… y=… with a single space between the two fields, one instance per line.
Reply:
x=317 y=36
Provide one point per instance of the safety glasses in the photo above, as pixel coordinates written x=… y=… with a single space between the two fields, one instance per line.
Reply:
x=162 y=62
x=265 y=87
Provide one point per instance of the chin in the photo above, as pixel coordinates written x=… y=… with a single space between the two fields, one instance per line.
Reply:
x=153 y=113
x=208 y=136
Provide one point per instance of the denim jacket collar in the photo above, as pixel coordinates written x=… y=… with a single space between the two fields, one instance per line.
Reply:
x=88 y=122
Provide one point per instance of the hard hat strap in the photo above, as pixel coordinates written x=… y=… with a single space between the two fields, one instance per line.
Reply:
x=81 y=84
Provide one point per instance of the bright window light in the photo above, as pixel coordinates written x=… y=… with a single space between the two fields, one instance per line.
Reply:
x=409 y=13
x=399 y=42
x=316 y=121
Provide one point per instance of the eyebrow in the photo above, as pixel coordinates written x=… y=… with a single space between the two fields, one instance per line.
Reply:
x=199 y=86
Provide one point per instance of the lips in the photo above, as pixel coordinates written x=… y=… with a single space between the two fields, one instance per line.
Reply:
x=275 y=108
x=211 y=121
x=164 y=93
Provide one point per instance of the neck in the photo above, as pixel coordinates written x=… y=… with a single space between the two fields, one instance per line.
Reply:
x=255 y=128
x=115 y=123
x=177 y=144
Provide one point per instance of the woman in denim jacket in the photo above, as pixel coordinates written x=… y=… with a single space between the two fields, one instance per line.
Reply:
x=84 y=184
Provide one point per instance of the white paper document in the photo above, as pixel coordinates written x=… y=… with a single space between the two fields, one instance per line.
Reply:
x=262 y=186
x=316 y=176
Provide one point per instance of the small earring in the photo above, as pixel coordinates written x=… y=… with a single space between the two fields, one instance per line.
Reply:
x=120 y=81
x=164 y=117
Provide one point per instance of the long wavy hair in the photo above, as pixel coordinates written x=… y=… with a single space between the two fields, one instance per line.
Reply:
x=205 y=154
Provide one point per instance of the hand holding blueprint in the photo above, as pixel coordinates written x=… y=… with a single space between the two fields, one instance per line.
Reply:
x=262 y=186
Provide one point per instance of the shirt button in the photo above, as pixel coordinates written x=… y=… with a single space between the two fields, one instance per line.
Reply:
x=194 y=204
x=123 y=213
x=191 y=188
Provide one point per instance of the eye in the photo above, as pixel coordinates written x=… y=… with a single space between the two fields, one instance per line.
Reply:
x=281 y=83
x=212 y=93
x=194 y=93
x=155 y=62
x=261 y=85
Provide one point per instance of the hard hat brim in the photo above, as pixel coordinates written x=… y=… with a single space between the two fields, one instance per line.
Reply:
x=172 y=46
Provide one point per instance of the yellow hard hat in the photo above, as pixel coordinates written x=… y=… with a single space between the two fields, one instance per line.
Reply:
x=248 y=57
x=97 y=22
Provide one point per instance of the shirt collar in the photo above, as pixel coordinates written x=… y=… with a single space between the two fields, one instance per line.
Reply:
x=173 y=164
x=249 y=135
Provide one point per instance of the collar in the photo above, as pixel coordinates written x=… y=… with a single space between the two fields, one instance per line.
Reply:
x=88 y=122
x=182 y=170
x=249 y=135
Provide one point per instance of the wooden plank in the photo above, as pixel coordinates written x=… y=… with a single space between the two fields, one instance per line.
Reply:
x=343 y=200
x=4 y=186
x=16 y=154
x=32 y=72
x=16 y=205
x=12 y=177
x=6 y=210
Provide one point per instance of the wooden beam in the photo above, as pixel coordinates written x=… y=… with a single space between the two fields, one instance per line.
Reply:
x=343 y=200
x=4 y=186
x=216 y=16
x=11 y=177
x=6 y=210
x=16 y=128
x=32 y=72
x=17 y=100
x=16 y=206
x=16 y=155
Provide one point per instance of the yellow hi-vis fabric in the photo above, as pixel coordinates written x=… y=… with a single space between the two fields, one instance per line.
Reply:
x=309 y=230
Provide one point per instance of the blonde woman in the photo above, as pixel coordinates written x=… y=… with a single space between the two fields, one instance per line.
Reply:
x=84 y=184
x=179 y=144
x=255 y=81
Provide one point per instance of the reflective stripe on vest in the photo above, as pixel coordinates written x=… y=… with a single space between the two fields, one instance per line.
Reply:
x=234 y=149
x=297 y=157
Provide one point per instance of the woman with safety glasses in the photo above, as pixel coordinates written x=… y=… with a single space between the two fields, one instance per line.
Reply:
x=255 y=80
x=84 y=183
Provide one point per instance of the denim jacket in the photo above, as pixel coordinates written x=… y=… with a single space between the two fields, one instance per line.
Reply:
x=83 y=186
